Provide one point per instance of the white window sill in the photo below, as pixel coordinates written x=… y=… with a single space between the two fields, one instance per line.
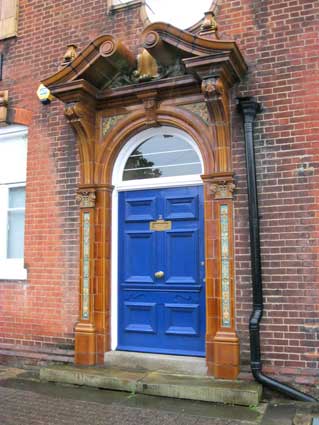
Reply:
x=12 y=269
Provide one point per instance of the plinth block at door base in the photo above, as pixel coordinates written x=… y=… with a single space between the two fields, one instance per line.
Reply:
x=85 y=344
x=226 y=357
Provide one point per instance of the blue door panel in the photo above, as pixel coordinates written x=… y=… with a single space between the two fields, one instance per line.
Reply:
x=181 y=208
x=166 y=314
x=182 y=256
x=139 y=247
x=182 y=319
x=140 y=317
x=140 y=208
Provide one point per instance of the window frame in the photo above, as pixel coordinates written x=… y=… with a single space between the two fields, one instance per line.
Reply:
x=11 y=30
x=10 y=268
x=134 y=142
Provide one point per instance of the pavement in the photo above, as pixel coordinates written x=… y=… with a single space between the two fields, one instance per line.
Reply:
x=24 y=400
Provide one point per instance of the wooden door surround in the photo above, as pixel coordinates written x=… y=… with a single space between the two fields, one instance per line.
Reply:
x=178 y=80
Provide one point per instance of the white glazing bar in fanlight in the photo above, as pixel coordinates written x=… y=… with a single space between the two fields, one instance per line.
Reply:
x=162 y=166
x=161 y=152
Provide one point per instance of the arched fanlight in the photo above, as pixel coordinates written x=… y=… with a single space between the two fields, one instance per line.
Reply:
x=163 y=155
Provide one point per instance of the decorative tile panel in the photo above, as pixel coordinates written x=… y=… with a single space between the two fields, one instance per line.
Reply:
x=109 y=122
x=86 y=267
x=199 y=109
x=225 y=270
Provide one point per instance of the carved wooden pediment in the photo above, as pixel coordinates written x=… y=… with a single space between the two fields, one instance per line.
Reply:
x=171 y=64
x=106 y=64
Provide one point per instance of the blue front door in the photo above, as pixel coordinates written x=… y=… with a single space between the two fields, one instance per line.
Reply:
x=161 y=272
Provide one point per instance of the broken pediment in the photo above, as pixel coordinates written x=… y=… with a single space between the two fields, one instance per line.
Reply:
x=101 y=62
x=165 y=51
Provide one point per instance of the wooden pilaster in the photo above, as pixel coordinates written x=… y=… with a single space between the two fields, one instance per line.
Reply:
x=85 y=330
x=222 y=340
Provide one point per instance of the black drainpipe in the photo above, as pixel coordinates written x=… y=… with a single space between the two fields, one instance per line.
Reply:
x=248 y=107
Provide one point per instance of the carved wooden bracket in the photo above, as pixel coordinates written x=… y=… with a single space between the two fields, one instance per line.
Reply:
x=82 y=118
x=212 y=88
x=216 y=97
x=78 y=113
x=213 y=91
x=221 y=185
x=150 y=105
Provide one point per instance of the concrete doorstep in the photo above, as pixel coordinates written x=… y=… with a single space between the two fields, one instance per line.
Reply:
x=157 y=384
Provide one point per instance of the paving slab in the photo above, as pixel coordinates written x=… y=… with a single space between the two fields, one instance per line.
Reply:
x=10 y=372
x=303 y=419
x=190 y=411
x=26 y=408
x=279 y=415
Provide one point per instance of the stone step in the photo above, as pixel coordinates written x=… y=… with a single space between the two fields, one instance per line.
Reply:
x=185 y=365
x=157 y=384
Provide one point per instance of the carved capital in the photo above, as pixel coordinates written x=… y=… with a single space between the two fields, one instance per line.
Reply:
x=220 y=185
x=86 y=198
x=223 y=190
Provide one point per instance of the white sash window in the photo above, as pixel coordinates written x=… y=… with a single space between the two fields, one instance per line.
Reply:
x=13 y=157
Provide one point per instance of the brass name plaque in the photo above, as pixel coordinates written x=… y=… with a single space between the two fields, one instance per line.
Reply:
x=160 y=225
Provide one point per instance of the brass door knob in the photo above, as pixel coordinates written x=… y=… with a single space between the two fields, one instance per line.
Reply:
x=159 y=275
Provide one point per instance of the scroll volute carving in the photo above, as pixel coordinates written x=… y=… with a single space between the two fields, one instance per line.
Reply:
x=216 y=96
x=81 y=116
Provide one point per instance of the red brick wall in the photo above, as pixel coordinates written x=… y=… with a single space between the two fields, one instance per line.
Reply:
x=40 y=314
x=280 y=41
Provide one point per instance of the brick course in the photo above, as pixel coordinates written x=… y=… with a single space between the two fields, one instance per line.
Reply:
x=279 y=41
x=42 y=311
